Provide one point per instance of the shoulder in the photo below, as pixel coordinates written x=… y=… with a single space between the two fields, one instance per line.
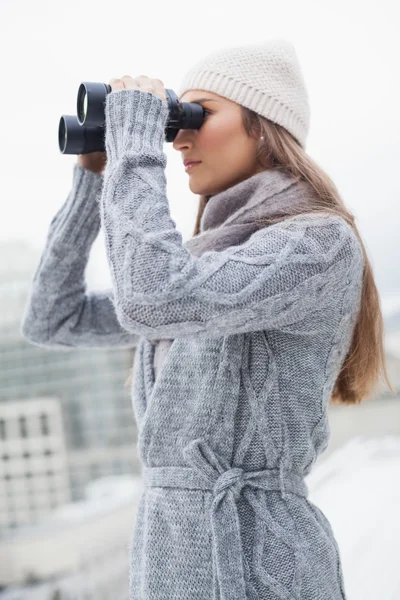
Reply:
x=314 y=223
x=335 y=228
x=318 y=233
x=316 y=220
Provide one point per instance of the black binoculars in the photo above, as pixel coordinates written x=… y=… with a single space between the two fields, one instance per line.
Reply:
x=85 y=132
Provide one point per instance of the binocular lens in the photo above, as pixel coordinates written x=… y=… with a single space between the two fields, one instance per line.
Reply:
x=84 y=109
x=74 y=138
x=90 y=103
x=62 y=135
x=81 y=104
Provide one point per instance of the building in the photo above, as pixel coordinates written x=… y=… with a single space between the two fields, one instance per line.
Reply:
x=99 y=427
x=34 y=477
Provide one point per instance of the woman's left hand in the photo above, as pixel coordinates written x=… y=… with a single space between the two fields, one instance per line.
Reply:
x=146 y=84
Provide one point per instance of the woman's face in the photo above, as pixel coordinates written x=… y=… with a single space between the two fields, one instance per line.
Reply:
x=226 y=152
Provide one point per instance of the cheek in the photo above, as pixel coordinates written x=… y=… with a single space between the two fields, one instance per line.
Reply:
x=218 y=133
x=213 y=139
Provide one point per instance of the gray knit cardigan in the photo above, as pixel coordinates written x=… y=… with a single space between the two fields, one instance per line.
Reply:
x=238 y=413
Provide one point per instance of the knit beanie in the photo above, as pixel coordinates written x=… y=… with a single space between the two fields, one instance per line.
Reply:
x=265 y=78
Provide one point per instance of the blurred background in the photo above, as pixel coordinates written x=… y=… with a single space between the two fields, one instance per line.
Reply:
x=69 y=474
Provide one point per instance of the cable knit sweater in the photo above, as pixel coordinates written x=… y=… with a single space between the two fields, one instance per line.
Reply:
x=238 y=413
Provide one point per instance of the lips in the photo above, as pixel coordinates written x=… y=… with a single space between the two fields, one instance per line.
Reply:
x=190 y=166
x=191 y=162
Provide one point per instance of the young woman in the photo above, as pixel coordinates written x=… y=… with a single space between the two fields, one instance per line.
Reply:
x=243 y=334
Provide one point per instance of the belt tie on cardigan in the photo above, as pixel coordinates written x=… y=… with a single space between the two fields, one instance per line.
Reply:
x=212 y=473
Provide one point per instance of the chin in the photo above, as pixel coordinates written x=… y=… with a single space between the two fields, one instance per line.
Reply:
x=199 y=190
x=205 y=190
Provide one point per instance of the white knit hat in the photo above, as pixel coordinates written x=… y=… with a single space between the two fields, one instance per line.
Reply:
x=265 y=78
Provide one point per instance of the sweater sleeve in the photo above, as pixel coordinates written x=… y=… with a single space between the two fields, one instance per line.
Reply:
x=274 y=279
x=60 y=312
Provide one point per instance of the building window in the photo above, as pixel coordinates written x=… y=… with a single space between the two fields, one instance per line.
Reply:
x=44 y=424
x=22 y=427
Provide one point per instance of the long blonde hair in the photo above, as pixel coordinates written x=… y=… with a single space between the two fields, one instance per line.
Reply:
x=365 y=362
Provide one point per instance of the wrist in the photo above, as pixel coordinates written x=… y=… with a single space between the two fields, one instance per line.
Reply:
x=135 y=123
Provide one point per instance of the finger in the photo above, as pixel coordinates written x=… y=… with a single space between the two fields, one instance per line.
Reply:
x=116 y=84
x=145 y=83
x=128 y=80
x=158 y=85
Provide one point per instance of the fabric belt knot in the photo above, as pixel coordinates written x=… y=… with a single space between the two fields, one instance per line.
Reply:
x=232 y=479
x=226 y=483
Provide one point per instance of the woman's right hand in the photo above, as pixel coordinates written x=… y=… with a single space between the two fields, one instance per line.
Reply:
x=93 y=161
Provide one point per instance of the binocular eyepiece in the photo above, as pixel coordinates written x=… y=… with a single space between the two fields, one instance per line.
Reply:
x=85 y=132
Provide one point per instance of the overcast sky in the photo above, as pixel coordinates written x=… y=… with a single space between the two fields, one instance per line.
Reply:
x=349 y=52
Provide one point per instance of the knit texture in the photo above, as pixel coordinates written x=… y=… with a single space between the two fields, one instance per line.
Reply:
x=238 y=414
x=267 y=78
x=60 y=313
x=233 y=215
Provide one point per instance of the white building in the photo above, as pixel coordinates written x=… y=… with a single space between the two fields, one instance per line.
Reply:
x=34 y=477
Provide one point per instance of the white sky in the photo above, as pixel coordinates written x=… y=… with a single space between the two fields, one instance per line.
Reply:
x=349 y=51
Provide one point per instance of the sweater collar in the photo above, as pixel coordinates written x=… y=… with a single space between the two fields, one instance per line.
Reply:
x=249 y=200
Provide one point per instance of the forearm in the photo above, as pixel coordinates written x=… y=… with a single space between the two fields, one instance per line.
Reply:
x=59 y=312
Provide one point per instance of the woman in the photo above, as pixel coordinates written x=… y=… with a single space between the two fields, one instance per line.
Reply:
x=243 y=334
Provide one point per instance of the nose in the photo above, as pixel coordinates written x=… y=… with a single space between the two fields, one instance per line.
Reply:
x=183 y=139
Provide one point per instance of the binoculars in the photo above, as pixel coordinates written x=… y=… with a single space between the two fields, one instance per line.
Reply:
x=85 y=132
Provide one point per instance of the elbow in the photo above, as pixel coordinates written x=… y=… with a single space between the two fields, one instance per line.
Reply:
x=41 y=339
x=37 y=336
x=33 y=335
x=28 y=330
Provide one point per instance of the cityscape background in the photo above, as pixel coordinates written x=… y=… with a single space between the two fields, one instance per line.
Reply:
x=69 y=473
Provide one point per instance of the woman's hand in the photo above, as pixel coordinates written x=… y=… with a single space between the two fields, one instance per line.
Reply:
x=96 y=161
x=146 y=84
x=93 y=161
